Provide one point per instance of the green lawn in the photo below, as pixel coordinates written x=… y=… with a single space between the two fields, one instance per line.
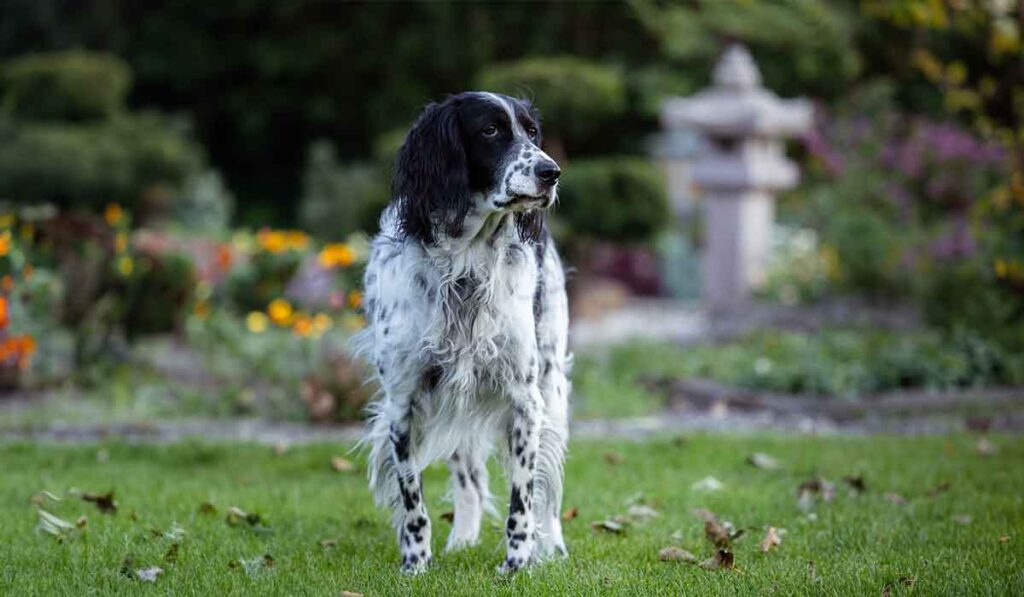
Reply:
x=858 y=544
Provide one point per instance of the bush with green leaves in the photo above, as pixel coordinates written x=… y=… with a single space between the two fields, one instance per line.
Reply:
x=618 y=199
x=91 y=164
x=64 y=86
x=339 y=199
x=575 y=96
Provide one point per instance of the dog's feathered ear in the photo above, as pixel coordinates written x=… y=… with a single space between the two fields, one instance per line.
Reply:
x=431 y=182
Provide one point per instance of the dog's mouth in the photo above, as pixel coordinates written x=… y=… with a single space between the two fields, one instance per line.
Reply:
x=523 y=201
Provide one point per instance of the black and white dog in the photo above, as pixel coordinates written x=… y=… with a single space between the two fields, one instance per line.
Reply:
x=468 y=325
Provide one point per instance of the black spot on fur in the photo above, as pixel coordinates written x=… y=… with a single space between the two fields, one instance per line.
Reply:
x=432 y=376
x=515 y=504
x=462 y=480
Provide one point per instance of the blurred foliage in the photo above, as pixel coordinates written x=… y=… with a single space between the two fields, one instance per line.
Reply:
x=205 y=204
x=803 y=47
x=841 y=363
x=87 y=165
x=618 y=199
x=339 y=199
x=64 y=86
x=573 y=95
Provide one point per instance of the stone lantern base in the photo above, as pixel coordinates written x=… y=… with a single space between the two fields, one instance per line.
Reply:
x=739 y=227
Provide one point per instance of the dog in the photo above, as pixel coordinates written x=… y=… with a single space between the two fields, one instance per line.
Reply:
x=467 y=328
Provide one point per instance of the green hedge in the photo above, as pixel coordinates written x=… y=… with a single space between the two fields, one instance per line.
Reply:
x=72 y=85
x=89 y=165
x=339 y=199
x=613 y=199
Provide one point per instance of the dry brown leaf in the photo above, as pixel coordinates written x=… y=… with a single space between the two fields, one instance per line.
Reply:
x=642 y=512
x=237 y=516
x=448 y=516
x=763 y=461
x=811 y=572
x=895 y=498
x=105 y=501
x=42 y=497
x=704 y=514
x=328 y=543
x=772 y=538
x=81 y=522
x=1004 y=538
x=207 y=508
x=716 y=533
x=342 y=465
x=722 y=560
x=172 y=553
x=613 y=458
x=570 y=514
x=676 y=554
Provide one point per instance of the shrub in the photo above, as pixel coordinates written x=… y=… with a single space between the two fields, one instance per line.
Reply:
x=156 y=297
x=574 y=95
x=339 y=199
x=89 y=165
x=614 y=199
x=72 y=86
x=205 y=203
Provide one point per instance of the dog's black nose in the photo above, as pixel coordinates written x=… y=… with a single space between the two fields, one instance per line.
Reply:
x=547 y=172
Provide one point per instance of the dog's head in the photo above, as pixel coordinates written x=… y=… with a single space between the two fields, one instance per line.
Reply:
x=473 y=151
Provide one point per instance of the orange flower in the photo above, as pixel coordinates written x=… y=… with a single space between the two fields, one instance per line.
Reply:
x=280 y=311
x=279 y=241
x=303 y=325
x=336 y=254
x=26 y=349
x=5 y=317
x=355 y=299
x=6 y=283
x=121 y=242
x=27 y=271
x=201 y=309
x=224 y=257
x=113 y=214
x=5 y=243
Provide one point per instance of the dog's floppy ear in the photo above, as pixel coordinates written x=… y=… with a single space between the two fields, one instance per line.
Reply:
x=431 y=182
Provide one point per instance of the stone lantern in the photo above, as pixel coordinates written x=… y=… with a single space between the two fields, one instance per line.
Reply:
x=740 y=168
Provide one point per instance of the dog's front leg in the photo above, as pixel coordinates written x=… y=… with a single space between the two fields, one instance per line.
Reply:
x=520 y=529
x=411 y=519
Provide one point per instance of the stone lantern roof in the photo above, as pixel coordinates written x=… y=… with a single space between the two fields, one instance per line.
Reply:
x=736 y=105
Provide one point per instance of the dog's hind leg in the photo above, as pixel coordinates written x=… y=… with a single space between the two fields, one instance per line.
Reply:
x=554 y=434
x=470 y=494
x=397 y=482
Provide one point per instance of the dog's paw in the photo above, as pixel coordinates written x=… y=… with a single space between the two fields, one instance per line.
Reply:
x=511 y=565
x=413 y=564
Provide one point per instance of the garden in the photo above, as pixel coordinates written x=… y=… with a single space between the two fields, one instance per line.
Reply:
x=187 y=197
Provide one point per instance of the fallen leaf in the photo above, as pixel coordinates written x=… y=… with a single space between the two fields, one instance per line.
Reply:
x=1004 y=538
x=856 y=483
x=676 y=554
x=906 y=581
x=641 y=512
x=253 y=566
x=812 y=488
x=328 y=543
x=963 y=518
x=342 y=465
x=268 y=560
x=677 y=536
x=149 y=574
x=237 y=516
x=172 y=553
x=708 y=483
x=939 y=489
x=763 y=461
x=722 y=534
x=448 y=516
x=613 y=458
x=53 y=525
x=350 y=594
x=704 y=514
x=722 y=560
x=895 y=498
x=811 y=572
x=207 y=508
x=105 y=502
x=985 y=447
x=280 y=448
x=570 y=514
x=772 y=538
x=609 y=526
x=42 y=497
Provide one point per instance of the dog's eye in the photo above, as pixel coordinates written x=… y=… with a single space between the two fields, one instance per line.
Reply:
x=490 y=130
x=532 y=131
